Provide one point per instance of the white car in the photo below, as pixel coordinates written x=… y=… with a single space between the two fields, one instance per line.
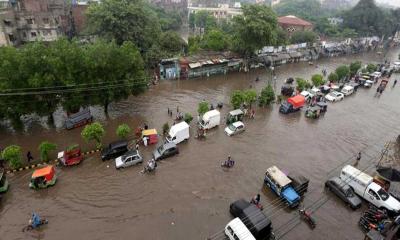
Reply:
x=130 y=158
x=376 y=74
x=234 y=128
x=334 y=96
x=307 y=95
x=368 y=83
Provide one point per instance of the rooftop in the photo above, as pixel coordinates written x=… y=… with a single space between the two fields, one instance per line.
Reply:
x=293 y=20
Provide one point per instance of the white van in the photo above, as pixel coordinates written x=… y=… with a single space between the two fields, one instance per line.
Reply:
x=364 y=186
x=210 y=119
x=347 y=90
x=178 y=133
x=236 y=230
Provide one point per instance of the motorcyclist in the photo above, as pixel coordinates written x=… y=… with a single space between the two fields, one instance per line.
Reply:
x=151 y=165
x=229 y=163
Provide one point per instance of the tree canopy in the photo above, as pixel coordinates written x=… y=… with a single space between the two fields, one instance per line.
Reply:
x=303 y=37
x=256 y=28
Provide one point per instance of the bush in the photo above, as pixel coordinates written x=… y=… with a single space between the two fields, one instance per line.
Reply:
x=342 y=72
x=249 y=96
x=237 y=98
x=188 y=118
x=302 y=84
x=354 y=67
x=13 y=155
x=203 y=107
x=165 y=128
x=93 y=132
x=333 y=77
x=267 y=96
x=123 y=131
x=371 y=68
x=317 y=80
x=45 y=148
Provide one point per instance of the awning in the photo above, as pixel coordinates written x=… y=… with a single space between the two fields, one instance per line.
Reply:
x=194 y=65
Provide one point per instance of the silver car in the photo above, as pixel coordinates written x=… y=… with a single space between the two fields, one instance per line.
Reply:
x=128 y=159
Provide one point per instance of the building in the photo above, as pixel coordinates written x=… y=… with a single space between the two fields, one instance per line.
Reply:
x=223 y=11
x=24 y=21
x=293 y=24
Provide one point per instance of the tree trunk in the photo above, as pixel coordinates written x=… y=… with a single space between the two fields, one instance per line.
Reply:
x=50 y=120
x=106 y=103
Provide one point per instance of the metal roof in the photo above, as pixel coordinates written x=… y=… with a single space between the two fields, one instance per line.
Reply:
x=278 y=176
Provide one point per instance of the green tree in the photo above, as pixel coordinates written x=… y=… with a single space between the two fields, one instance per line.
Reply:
x=256 y=28
x=371 y=68
x=215 y=40
x=188 y=118
x=194 y=44
x=342 y=72
x=237 y=98
x=45 y=148
x=354 y=67
x=267 y=96
x=13 y=155
x=317 y=80
x=93 y=132
x=165 y=128
x=303 y=37
x=333 y=77
x=249 y=96
x=123 y=131
x=203 y=107
x=124 y=20
x=302 y=84
x=306 y=9
x=171 y=43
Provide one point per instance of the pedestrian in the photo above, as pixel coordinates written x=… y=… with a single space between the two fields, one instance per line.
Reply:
x=145 y=141
x=198 y=118
x=29 y=156
x=253 y=113
x=137 y=145
x=146 y=126
x=177 y=109
x=358 y=157
x=168 y=111
x=395 y=82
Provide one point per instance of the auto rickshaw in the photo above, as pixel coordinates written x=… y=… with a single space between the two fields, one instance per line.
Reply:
x=71 y=156
x=313 y=112
x=323 y=106
x=384 y=83
x=150 y=135
x=234 y=116
x=3 y=182
x=43 y=177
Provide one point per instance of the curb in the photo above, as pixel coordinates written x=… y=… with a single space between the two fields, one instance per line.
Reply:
x=44 y=163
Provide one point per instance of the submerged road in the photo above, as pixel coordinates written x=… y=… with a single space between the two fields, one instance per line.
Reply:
x=189 y=195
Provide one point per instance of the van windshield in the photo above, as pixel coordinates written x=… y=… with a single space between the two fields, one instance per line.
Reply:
x=383 y=194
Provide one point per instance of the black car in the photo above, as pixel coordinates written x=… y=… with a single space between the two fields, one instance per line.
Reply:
x=299 y=182
x=166 y=150
x=343 y=191
x=114 y=149
x=254 y=219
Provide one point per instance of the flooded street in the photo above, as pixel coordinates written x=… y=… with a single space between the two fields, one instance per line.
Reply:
x=189 y=195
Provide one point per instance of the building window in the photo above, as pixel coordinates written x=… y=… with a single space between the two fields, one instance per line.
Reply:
x=29 y=21
x=33 y=34
x=7 y=22
x=24 y=34
x=11 y=37
x=46 y=32
x=56 y=20
x=46 y=20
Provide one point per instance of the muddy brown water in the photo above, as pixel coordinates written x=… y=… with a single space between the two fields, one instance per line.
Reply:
x=189 y=195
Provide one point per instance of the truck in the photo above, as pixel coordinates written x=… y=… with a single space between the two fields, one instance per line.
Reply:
x=178 y=133
x=364 y=186
x=292 y=104
x=279 y=183
x=254 y=219
x=210 y=119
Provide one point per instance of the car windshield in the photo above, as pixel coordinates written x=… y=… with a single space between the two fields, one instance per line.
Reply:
x=232 y=128
x=160 y=149
x=348 y=192
x=383 y=194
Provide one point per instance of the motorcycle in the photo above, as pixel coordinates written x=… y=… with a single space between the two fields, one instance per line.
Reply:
x=149 y=168
x=306 y=215
x=226 y=164
x=35 y=224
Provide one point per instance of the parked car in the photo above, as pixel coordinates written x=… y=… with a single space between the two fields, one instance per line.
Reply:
x=166 y=150
x=307 y=95
x=114 y=149
x=130 y=158
x=347 y=90
x=234 y=128
x=343 y=191
x=334 y=96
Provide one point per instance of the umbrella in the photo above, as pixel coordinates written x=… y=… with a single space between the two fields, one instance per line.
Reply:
x=389 y=173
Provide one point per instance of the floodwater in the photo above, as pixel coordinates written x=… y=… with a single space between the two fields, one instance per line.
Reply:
x=189 y=195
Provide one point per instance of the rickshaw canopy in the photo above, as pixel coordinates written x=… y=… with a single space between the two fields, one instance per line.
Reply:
x=149 y=132
x=46 y=172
